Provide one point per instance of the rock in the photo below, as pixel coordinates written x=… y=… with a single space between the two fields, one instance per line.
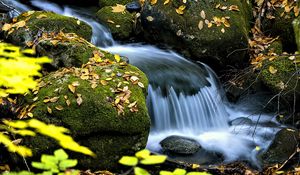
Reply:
x=296 y=24
x=281 y=26
x=241 y=121
x=38 y=22
x=89 y=103
x=66 y=50
x=190 y=33
x=283 y=146
x=134 y=6
x=280 y=76
x=180 y=145
x=104 y=3
x=120 y=24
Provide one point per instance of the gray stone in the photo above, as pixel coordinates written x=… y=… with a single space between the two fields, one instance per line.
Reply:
x=180 y=145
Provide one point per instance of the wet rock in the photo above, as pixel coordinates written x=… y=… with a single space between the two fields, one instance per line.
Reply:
x=283 y=146
x=120 y=24
x=241 y=121
x=134 y=6
x=194 y=34
x=180 y=145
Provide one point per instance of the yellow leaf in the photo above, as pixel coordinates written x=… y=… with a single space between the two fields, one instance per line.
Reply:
x=108 y=79
x=103 y=82
x=272 y=70
x=234 y=8
x=166 y=2
x=180 y=9
x=72 y=88
x=49 y=110
x=6 y=27
x=118 y=8
x=117 y=58
x=150 y=18
x=152 y=2
x=59 y=107
x=78 y=22
x=41 y=16
x=29 y=114
x=19 y=24
x=140 y=84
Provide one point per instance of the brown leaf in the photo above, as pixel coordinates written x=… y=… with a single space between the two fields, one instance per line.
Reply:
x=79 y=99
x=140 y=84
x=49 y=110
x=6 y=27
x=152 y=2
x=59 y=107
x=19 y=24
x=200 y=25
x=54 y=99
x=41 y=16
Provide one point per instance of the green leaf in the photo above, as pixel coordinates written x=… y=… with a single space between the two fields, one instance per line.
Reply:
x=165 y=173
x=129 y=161
x=49 y=159
x=140 y=171
x=47 y=173
x=143 y=154
x=60 y=154
x=39 y=165
x=198 y=173
x=179 y=171
x=65 y=164
x=154 y=159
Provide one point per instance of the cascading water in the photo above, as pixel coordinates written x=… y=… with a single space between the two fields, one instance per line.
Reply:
x=184 y=98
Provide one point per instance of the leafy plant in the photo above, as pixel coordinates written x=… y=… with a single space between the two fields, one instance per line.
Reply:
x=144 y=157
x=52 y=164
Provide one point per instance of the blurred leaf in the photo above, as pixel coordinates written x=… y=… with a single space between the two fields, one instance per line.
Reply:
x=128 y=161
x=65 y=164
x=154 y=159
x=143 y=154
x=140 y=171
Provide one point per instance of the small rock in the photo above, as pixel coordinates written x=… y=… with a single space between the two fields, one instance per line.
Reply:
x=134 y=6
x=180 y=145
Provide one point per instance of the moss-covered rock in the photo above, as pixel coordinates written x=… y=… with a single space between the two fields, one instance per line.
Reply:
x=198 y=40
x=281 y=26
x=120 y=24
x=281 y=77
x=29 y=26
x=104 y=3
x=296 y=24
x=101 y=103
x=283 y=146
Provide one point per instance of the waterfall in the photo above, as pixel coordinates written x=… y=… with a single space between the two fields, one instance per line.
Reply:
x=184 y=98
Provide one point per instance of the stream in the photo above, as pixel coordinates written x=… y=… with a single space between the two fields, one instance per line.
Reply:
x=185 y=99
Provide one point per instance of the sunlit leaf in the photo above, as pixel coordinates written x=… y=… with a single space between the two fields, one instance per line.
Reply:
x=179 y=171
x=143 y=154
x=65 y=164
x=154 y=159
x=128 y=161
x=272 y=70
x=140 y=171
x=118 y=8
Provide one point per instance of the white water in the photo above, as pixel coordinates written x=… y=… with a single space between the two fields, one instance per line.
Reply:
x=184 y=98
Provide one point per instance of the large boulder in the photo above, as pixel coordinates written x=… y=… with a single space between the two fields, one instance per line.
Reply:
x=281 y=77
x=296 y=24
x=103 y=104
x=121 y=24
x=29 y=26
x=283 y=146
x=217 y=36
x=281 y=25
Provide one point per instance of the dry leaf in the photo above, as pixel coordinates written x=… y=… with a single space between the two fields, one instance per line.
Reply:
x=49 y=110
x=54 y=99
x=78 y=22
x=6 y=27
x=41 y=16
x=202 y=14
x=110 y=21
x=29 y=114
x=19 y=24
x=234 y=8
x=150 y=18
x=79 y=99
x=152 y=2
x=117 y=58
x=166 y=2
x=72 y=88
x=200 y=25
x=223 y=30
x=140 y=84
x=59 y=107
x=180 y=9
x=103 y=82
x=118 y=8
x=75 y=83
x=272 y=70
x=68 y=102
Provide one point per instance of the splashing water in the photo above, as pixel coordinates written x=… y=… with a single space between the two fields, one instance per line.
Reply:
x=185 y=98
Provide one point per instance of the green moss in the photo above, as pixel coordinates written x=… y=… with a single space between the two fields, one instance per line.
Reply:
x=96 y=122
x=275 y=47
x=40 y=21
x=182 y=31
x=284 y=81
x=104 y=3
x=296 y=24
x=120 y=24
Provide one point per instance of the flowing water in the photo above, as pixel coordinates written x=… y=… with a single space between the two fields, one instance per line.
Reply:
x=185 y=98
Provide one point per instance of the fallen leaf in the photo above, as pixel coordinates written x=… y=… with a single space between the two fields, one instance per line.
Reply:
x=78 y=22
x=272 y=70
x=75 y=83
x=234 y=8
x=72 y=88
x=19 y=24
x=68 y=102
x=118 y=8
x=140 y=84
x=150 y=18
x=41 y=16
x=223 y=30
x=166 y=2
x=180 y=9
x=152 y=2
x=49 y=110
x=79 y=99
x=202 y=14
x=59 y=107
x=200 y=25
x=29 y=114
x=117 y=57
x=103 y=82
x=54 y=99
x=110 y=21
x=6 y=27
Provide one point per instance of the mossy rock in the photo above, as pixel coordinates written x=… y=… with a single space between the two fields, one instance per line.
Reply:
x=281 y=26
x=120 y=24
x=38 y=22
x=95 y=122
x=283 y=146
x=281 y=76
x=296 y=24
x=162 y=24
x=104 y=3
x=66 y=50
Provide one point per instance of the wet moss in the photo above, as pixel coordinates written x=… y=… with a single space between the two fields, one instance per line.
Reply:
x=296 y=24
x=120 y=24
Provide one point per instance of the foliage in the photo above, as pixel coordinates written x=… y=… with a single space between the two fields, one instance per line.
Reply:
x=56 y=132
x=144 y=157
x=18 y=70
x=52 y=164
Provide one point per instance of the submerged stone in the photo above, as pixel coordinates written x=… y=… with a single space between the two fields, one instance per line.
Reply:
x=180 y=145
